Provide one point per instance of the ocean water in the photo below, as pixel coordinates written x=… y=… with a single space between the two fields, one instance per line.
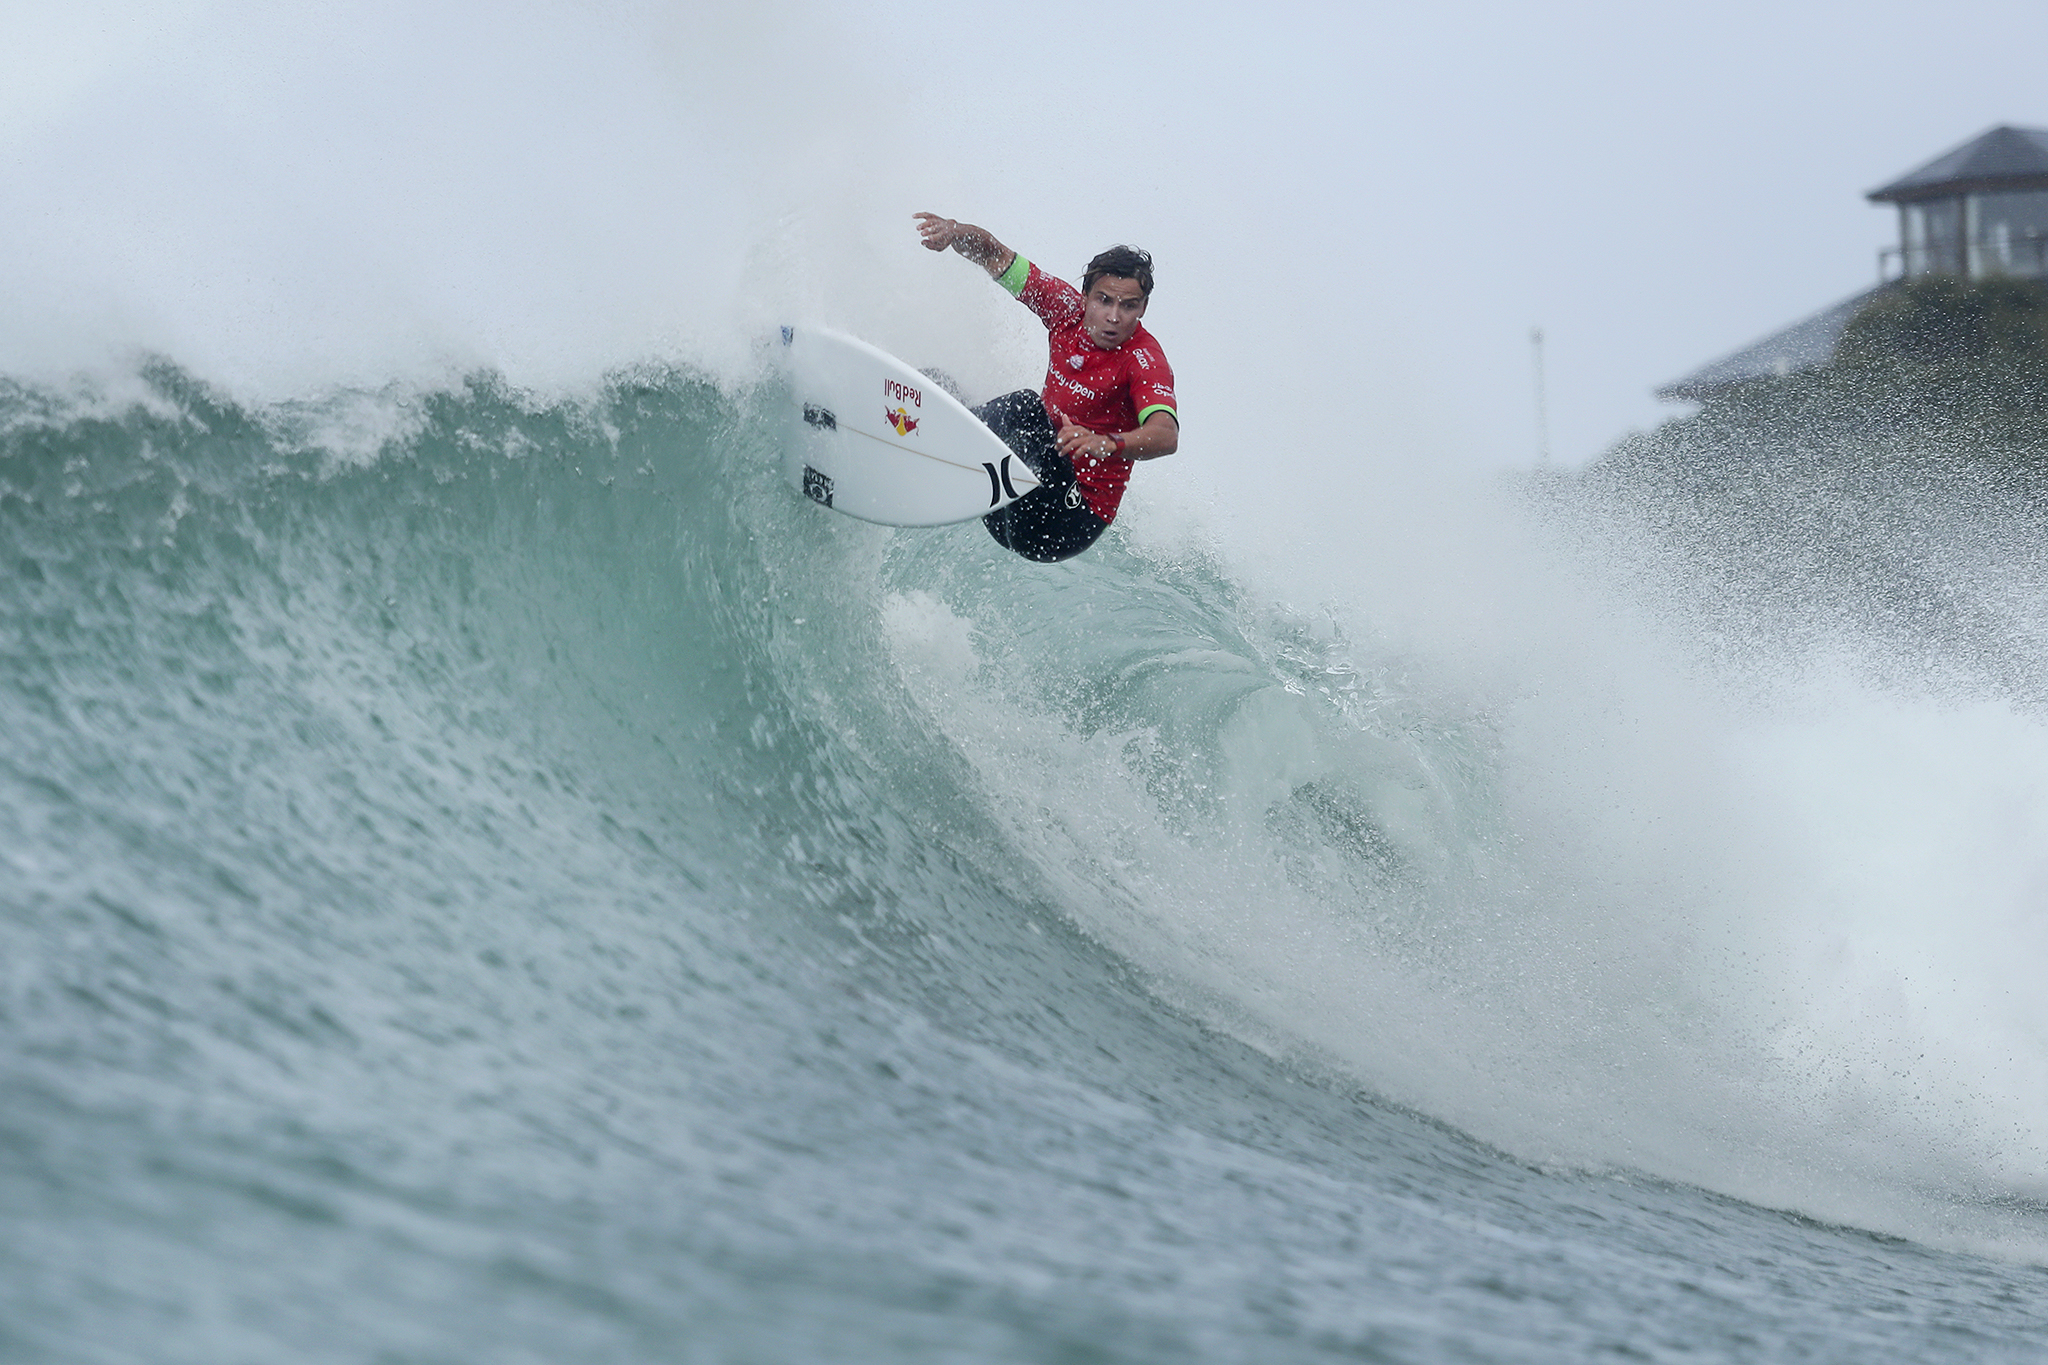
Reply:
x=498 y=877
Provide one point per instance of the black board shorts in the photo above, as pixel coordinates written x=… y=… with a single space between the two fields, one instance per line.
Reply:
x=1050 y=523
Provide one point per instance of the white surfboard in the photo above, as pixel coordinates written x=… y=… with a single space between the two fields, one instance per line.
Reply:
x=875 y=439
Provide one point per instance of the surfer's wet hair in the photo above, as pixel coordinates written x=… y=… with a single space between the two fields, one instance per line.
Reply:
x=1125 y=262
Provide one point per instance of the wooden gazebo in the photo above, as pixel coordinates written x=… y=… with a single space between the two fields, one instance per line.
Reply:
x=1979 y=210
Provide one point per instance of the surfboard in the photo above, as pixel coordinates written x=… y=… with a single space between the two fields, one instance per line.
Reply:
x=875 y=439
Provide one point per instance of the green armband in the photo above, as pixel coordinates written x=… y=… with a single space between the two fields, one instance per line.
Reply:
x=1019 y=271
x=1158 y=407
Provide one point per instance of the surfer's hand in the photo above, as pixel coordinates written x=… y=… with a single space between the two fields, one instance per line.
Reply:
x=976 y=244
x=1076 y=440
x=937 y=233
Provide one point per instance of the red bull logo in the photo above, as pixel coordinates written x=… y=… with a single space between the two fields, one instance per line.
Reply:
x=900 y=419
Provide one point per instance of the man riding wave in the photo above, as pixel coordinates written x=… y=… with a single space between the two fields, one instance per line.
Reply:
x=1108 y=397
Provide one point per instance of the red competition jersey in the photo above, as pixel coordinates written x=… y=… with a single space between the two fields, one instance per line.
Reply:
x=1107 y=391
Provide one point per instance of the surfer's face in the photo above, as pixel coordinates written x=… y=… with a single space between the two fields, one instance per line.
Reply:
x=1112 y=310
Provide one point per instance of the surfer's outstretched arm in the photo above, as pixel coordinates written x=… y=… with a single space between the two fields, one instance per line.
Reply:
x=977 y=244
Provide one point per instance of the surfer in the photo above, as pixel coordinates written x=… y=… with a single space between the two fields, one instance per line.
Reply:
x=1108 y=397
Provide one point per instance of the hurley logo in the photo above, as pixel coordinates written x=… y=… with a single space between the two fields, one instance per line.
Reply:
x=1075 y=361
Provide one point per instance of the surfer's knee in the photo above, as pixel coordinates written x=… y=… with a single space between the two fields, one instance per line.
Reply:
x=1043 y=528
x=1019 y=420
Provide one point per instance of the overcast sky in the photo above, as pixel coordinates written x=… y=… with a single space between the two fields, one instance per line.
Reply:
x=1359 y=211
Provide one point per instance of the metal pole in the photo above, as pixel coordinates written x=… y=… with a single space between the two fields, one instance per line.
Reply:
x=1970 y=237
x=1542 y=400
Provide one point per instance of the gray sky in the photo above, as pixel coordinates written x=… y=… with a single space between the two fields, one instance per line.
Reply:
x=1359 y=211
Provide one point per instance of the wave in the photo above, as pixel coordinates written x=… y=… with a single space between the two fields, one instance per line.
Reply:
x=334 y=717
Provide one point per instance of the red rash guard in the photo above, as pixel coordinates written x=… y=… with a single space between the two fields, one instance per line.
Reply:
x=1111 y=392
